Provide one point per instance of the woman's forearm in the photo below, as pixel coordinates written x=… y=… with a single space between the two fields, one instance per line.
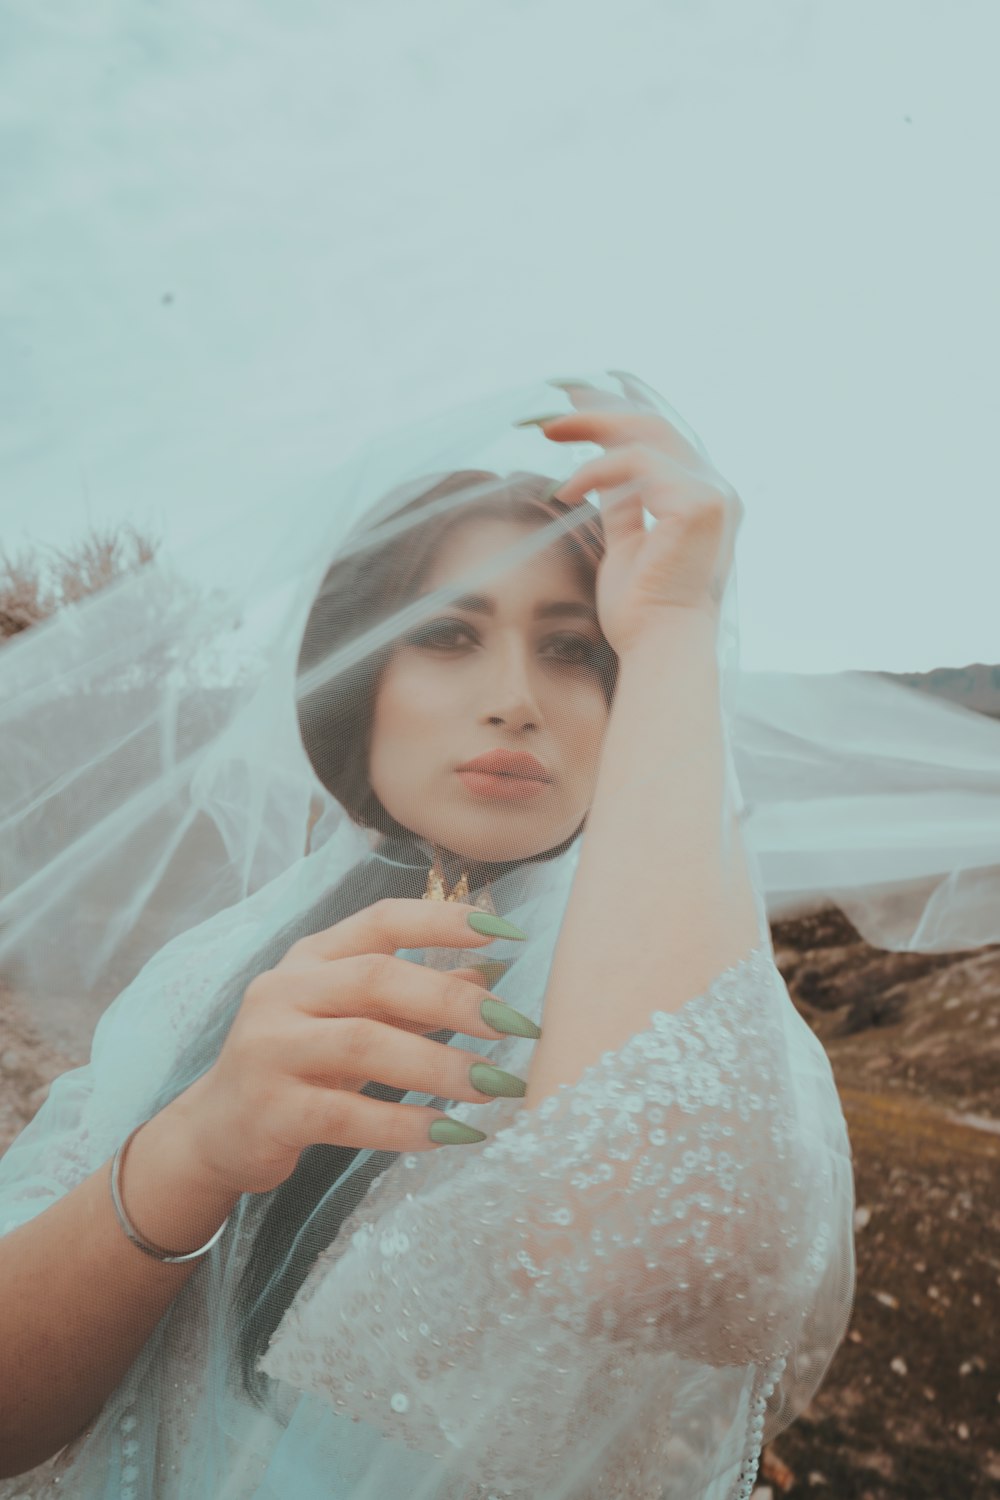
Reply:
x=80 y=1300
x=662 y=901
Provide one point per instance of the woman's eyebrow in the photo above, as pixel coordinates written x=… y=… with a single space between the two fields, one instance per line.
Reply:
x=576 y=608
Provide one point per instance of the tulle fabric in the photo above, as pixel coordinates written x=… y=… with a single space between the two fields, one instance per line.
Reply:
x=626 y=1290
x=153 y=772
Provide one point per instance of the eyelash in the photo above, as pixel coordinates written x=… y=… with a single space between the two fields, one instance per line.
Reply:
x=431 y=635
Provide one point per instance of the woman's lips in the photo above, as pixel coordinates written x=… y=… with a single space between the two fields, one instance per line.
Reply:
x=504 y=775
x=503 y=788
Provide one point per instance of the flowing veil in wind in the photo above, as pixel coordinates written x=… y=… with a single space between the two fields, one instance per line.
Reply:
x=177 y=803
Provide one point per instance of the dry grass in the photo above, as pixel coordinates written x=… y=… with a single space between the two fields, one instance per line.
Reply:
x=35 y=585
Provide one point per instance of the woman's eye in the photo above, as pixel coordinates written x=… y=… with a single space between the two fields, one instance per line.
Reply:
x=575 y=648
x=439 y=633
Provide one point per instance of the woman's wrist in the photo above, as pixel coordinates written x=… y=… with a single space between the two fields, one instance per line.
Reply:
x=168 y=1198
x=674 y=629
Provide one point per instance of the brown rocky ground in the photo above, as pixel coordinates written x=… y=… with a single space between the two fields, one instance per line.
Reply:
x=910 y=1408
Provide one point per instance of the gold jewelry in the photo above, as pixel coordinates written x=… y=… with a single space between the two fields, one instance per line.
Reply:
x=437 y=890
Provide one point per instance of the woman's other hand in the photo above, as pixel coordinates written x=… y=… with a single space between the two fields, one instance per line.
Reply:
x=338 y=1011
x=684 y=560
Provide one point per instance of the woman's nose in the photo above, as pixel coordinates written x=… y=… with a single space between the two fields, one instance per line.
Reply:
x=510 y=692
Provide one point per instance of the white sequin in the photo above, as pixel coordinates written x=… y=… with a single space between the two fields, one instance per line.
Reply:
x=610 y=1218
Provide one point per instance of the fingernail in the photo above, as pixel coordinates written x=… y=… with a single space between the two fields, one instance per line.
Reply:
x=497 y=1083
x=537 y=421
x=566 y=380
x=508 y=1020
x=449 y=1132
x=493 y=926
x=492 y=970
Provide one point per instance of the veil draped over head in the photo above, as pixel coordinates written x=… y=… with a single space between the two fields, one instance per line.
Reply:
x=185 y=791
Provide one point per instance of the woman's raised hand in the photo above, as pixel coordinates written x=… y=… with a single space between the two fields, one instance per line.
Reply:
x=683 y=561
x=338 y=1011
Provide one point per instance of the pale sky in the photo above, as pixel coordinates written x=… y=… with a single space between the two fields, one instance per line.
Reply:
x=238 y=238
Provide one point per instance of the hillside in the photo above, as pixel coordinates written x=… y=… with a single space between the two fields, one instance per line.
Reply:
x=976 y=686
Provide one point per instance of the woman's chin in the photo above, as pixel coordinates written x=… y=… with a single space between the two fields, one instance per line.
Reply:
x=497 y=844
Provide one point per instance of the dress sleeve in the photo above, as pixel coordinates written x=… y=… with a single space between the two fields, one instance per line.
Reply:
x=627 y=1274
x=137 y=1043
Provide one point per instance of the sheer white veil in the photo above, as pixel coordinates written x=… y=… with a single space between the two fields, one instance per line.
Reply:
x=164 y=827
x=153 y=772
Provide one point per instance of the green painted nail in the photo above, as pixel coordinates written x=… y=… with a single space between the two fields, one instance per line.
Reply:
x=493 y=926
x=508 y=1020
x=563 y=381
x=534 y=421
x=497 y=1083
x=449 y=1132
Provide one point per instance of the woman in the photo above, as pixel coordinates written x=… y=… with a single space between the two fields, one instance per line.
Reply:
x=642 y=1264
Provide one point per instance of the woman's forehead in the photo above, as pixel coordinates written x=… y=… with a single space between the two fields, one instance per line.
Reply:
x=472 y=542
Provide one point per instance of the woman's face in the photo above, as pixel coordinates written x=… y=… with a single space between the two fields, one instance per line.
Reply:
x=512 y=669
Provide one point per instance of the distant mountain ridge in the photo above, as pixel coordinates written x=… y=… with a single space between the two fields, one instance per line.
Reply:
x=976 y=686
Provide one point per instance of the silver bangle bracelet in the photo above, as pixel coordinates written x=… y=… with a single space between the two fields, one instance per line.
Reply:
x=134 y=1236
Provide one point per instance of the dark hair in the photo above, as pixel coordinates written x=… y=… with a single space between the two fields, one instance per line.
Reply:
x=366 y=586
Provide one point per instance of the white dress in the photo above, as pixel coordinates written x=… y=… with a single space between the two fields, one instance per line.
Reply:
x=620 y=1293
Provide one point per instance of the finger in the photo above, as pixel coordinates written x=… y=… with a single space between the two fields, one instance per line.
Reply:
x=399 y=922
x=610 y=429
x=638 y=391
x=667 y=488
x=396 y=992
x=646 y=396
x=350 y=1051
x=621 y=508
x=586 y=396
x=330 y=1117
x=617 y=479
x=622 y=515
x=623 y=466
x=484 y=975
